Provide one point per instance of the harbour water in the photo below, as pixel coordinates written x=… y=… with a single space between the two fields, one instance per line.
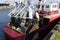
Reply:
x=4 y=19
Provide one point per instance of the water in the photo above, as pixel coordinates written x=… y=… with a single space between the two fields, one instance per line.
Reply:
x=4 y=19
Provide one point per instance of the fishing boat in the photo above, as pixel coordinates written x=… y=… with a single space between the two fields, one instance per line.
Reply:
x=30 y=24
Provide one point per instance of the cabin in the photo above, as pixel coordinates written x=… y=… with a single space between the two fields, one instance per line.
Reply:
x=51 y=8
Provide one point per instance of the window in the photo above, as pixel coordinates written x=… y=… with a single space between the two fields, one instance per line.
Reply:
x=47 y=6
x=55 y=6
x=59 y=5
x=42 y=6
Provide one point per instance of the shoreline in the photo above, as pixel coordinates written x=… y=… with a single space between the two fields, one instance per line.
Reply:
x=6 y=7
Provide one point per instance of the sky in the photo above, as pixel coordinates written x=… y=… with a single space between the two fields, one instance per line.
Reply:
x=2 y=1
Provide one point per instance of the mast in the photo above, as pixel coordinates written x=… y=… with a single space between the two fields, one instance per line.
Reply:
x=41 y=4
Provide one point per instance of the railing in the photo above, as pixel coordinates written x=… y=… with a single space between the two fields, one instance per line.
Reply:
x=16 y=10
x=21 y=10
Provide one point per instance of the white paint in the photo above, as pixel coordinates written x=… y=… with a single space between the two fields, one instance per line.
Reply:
x=52 y=8
x=46 y=9
x=37 y=15
x=30 y=13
